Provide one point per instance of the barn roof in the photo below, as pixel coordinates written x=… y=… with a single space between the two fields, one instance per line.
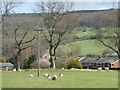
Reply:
x=6 y=64
x=98 y=60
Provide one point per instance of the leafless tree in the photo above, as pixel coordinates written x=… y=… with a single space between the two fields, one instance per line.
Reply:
x=21 y=42
x=7 y=6
x=55 y=25
x=111 y=30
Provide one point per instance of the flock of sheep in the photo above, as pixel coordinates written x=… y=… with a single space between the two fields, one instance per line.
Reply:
x=46 y=75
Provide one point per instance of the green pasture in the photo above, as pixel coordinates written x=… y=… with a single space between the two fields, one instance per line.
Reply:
x=85 y=47
x=71 y=79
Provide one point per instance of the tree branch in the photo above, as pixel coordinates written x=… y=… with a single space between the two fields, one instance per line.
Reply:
x=29 y=40
x=108 y=46
x=16 y=35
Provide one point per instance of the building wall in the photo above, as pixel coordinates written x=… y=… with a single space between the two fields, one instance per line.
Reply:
x=116 y=64
x=6 y=68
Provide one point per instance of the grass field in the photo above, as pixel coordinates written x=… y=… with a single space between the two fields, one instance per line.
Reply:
x=71 y=79
x=85 y=47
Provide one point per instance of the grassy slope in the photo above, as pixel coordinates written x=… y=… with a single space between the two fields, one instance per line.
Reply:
x=87 y=33
x=71 y=79
x=85 y=47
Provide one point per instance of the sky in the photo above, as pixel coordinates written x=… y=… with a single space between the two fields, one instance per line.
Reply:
x=29 y=7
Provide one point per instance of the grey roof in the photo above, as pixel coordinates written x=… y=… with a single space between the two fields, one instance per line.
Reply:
x=98 y=60
x=89 y=60
x=6 y=64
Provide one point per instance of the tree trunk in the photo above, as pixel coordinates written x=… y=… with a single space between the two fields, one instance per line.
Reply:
x=119 y=47
x=17 y=66
x=119 y=52
x=52 y=57
x=52 y=61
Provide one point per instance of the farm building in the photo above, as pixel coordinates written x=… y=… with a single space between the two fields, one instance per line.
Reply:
x=6 y=66
x=95 y=62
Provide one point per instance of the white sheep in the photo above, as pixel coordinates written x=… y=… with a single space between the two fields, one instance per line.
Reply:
x=14 y=69
x=46 y=75
x=100 y=68
x=106 y=68
x=19 y=70
x=54 y=77
x=49 y=77
x=61 y=75
x=31 y=75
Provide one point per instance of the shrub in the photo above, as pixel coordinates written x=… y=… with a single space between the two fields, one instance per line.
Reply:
x=74 y=63
x=2 y=59
x=31 y=60
x=25 y=66
x=60 y=65
x=28 y=62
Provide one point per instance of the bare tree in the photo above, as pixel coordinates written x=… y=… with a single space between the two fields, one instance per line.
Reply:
x=110 y=32
x=7 y=6
x=21 y=43
x=55 y=24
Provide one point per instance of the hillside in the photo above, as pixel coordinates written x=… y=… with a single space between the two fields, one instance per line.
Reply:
x=80 y=41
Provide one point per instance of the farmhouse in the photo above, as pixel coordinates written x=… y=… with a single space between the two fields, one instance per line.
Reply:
x=6 y=66
x=95 y=62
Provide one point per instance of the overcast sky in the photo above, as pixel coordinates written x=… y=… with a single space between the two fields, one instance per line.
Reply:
x=29 y=7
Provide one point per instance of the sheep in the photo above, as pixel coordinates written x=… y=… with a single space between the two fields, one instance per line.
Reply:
x=19 y=69
x=62 y=68
x=106 y=68
x=14 y=69
x=46 y=75
x=60 y=75
x=31 y=75
x=99 y=68
x=54 y=77
x=49 y=77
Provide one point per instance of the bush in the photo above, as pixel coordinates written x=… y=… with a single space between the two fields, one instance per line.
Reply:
x=2 y=59
x=73 y=63
x=31 y=60
x=25 y=65
x=60 y=65
x=28 y=62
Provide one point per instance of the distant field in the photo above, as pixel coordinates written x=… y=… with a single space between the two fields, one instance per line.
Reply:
x=85 y=47
x=87 y=33
x=71 y=79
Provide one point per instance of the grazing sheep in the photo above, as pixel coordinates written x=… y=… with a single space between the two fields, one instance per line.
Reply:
x=62 y=68
x=54 y=77
x=46 y=75
x=49 y=77
x=106 y=68
x=99 y=69
x=31 y=75
x=19 y=69
x=60 y=75
x=14 y=69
